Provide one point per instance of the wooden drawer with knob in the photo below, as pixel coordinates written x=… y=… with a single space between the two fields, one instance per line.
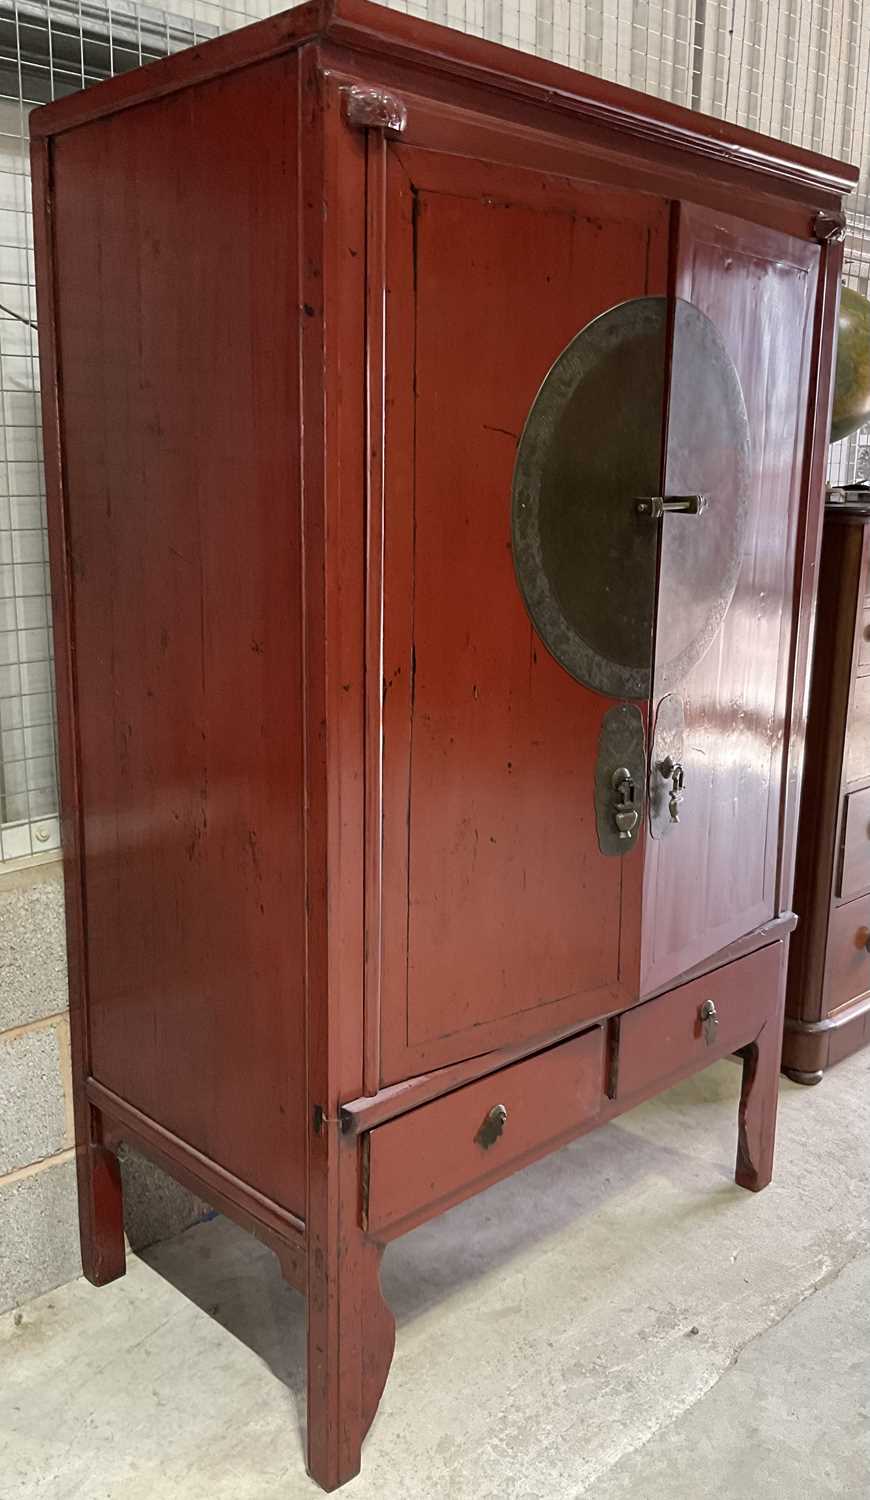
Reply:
x=848 y=957
x=678 y=1032
x=855 y=866
x=443 y=1151
x=864 y=638
x=439 y=1153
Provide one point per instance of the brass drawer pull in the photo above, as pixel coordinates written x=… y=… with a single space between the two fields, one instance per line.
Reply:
x=709 y=1019
x=492 y=1127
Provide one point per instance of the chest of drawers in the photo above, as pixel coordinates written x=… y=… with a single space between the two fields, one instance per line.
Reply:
x=828 y=1003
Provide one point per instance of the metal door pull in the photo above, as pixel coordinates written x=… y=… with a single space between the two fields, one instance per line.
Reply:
x=709 y=1022
x=672 y=771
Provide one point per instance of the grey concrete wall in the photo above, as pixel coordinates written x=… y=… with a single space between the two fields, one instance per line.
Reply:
x=39 y=1246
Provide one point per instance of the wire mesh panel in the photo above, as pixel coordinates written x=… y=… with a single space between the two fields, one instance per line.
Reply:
x=45 y=51
x=798 y=69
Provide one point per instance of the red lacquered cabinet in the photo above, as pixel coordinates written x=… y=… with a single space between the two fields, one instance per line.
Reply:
x=435 y=443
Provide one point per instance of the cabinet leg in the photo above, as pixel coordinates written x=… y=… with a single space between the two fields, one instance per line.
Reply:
x=759 y=1096
x=351 y=1337
x=101 y=1213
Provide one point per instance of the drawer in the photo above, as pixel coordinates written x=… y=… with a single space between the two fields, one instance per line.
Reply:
x=666 y=1037
x=443 y=1151
x=855 y=868
x=864 y=639
x=848 y=962
x=858 y=732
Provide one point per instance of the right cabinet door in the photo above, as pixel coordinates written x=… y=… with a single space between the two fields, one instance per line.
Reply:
x=744 y=304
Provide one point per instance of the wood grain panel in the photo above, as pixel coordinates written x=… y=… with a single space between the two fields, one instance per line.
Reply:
x=715 y=877
x=848 y=957
x=666 y=1036
x=855 y=876
x=498 y=906
x=438 y=1154
x=858 y=732
x=840 y=577
x=180 y=425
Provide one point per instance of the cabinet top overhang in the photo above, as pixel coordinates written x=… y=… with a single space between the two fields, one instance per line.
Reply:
x=371 y=32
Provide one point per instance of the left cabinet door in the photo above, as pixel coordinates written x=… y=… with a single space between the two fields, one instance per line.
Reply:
x=501 y=917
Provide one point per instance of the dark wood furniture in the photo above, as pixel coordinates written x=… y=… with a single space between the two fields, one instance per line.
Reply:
x=371 y=900
x=828 y=996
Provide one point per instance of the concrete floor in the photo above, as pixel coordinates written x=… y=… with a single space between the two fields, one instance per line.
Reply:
x=617 y=1321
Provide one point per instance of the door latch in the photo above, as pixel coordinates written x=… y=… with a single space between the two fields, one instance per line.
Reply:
x=620 y=793
x=625 y=811
x=672 y=771
x=656 y=506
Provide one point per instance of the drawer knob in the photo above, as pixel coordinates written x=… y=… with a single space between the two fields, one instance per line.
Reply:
x=492 y=1127
x=709 y=1021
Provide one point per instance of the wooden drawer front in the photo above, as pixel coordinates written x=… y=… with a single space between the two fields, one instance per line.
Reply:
x=864 y=640
x=667 y=1037
x=848 y=967
x=858 y=732
x=439 y=1152
x=855 y=874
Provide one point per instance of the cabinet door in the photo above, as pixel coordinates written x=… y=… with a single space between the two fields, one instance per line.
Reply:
x=713 y=876
x=501 y=918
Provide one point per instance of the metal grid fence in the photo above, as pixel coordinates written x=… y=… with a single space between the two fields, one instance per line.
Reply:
x=797 y=70
x=45 y=51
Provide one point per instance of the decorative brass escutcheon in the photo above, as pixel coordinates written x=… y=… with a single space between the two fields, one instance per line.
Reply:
x=709 y=1021
x=492 y=1127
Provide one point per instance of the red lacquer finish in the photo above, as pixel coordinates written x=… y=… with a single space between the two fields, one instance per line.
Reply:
x=185 y=585
x=715 y=877
x=333 y=876
x=828 y=1000
x=490 y=852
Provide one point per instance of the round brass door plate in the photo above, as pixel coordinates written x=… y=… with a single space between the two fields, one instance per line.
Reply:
x=586 y=560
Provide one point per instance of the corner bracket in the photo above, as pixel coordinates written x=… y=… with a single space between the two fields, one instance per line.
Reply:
x=829 y=227
x=373 y=109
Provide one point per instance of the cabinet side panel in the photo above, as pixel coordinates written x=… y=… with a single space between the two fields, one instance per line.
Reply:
x=175 y=244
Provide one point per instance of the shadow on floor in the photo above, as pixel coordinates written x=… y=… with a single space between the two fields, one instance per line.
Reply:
x=237 y=1280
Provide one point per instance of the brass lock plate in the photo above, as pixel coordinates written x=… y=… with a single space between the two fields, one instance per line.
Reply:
x=620 y=779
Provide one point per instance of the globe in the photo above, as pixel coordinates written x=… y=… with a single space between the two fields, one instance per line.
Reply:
x=852 y=378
